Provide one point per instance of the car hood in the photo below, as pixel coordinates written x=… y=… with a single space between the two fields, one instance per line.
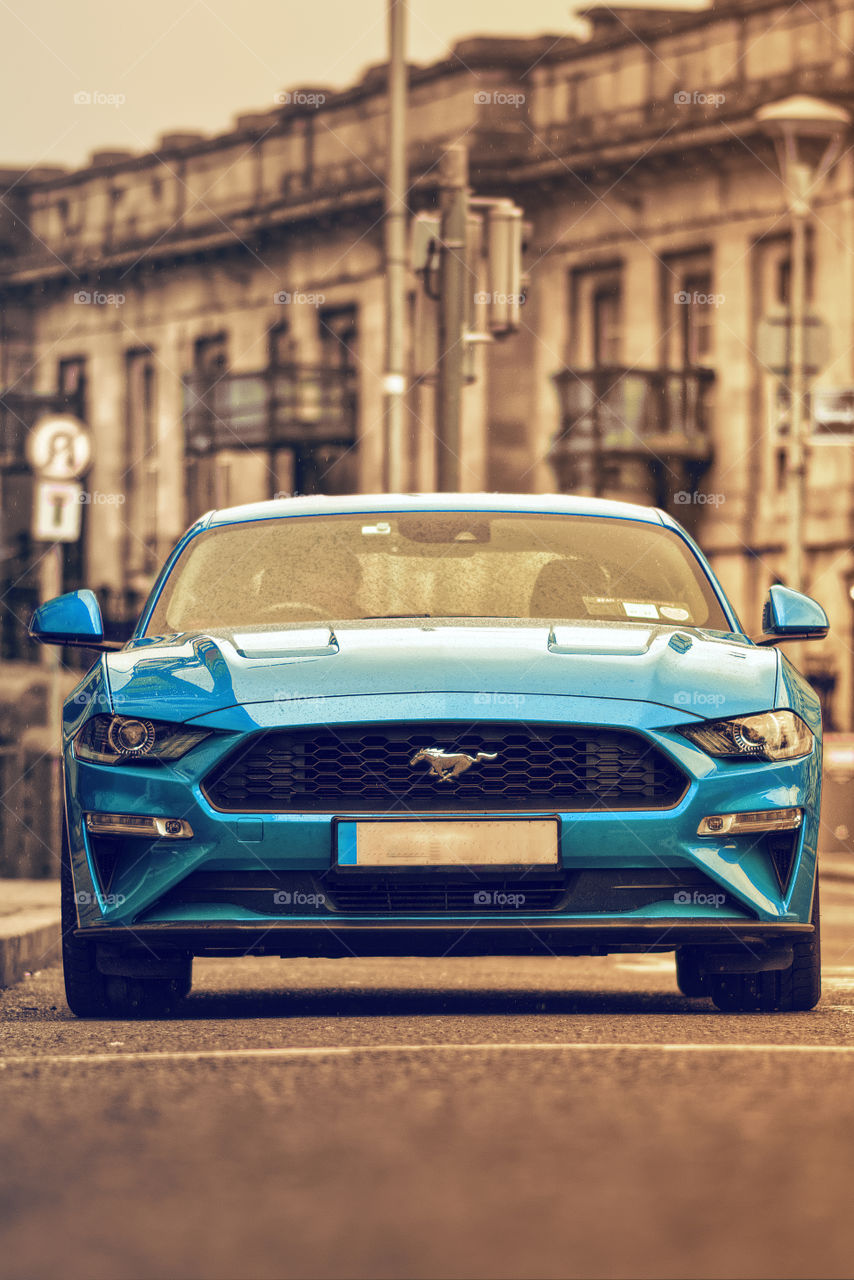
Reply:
x=697 y=673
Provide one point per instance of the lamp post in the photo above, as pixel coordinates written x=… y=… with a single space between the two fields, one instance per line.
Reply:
x=394 y=381
x=808 y=135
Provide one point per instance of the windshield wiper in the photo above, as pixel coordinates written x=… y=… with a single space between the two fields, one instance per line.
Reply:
x=377 y=617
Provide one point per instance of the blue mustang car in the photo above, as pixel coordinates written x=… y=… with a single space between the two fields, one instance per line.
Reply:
x=439 y=725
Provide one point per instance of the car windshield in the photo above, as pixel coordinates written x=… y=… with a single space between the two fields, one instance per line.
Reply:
x=335 y=568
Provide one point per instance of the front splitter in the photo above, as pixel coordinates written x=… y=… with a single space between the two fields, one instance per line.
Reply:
x=366 y=938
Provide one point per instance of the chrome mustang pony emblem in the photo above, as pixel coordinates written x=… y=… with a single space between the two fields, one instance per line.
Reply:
x=447 y=766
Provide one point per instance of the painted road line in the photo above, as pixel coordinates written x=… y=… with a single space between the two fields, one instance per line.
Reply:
x=286 y=1053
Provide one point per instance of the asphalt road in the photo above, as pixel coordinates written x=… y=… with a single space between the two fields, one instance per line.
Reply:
x=418 y=1118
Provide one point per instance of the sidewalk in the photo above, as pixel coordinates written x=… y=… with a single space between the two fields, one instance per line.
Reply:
x=29 y=927
x=836 y=866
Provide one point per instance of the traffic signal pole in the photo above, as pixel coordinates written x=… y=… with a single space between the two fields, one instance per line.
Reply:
x=797 y=459
x=394 y=382
x=454 y=280
x=50 y=586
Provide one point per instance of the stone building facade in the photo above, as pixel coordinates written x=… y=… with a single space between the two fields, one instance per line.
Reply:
x=214 y=308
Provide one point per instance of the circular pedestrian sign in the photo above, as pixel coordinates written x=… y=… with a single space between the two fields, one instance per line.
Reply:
x=59 y=447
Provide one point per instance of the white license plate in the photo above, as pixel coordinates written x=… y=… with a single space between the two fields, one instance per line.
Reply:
x=476 y=842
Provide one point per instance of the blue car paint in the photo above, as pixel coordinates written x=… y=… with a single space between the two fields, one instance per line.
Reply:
x=75 y=614
x=652 y=680
x=192 y=676
x=791 y=611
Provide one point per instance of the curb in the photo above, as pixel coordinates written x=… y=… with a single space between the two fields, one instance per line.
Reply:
x=836 y=866
x=29 y=940
x=838 y=877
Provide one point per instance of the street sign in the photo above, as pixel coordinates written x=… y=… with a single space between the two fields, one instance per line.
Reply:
x=59 y=447
x=774 y=344
x=833 y=415
x=57 y=510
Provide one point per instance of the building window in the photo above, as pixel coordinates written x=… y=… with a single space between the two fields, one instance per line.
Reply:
x=595 y=316
x=210 y=356
x=339 y=338
x=331 y=466
x=608 y=324
x=687 y=289
x=282 y=345
x=772 y=281
x=141 y=479
x=71 y=384
x=696 y=330
x=783 y=289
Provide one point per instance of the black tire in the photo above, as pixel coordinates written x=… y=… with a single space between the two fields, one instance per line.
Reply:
x=791 y=990
x=91 y=994
x=690 y=978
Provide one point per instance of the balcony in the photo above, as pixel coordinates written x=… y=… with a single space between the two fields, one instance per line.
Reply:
x=642 y=434
x=294 y=406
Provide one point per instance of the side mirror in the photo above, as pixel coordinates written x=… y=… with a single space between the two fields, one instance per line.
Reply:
x=790 y=615
x=72 y=619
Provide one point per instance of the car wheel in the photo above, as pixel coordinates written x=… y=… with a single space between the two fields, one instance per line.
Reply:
x=690 y=978
x=92 y=994
x=791 y=990
x=85 y=987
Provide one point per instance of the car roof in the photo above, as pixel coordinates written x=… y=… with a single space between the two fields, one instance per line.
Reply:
x=361 y=503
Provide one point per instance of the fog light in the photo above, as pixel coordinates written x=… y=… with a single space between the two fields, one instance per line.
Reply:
x=734 y=824
x=131 y=824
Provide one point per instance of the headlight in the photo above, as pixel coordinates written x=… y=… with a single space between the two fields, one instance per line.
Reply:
x=771 y=735
x=124 y=739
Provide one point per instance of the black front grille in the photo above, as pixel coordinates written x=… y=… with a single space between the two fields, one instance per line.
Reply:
x=368 y=768
x=475 y=892
x=392 y=896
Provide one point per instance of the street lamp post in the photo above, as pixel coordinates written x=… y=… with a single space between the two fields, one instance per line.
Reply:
x=808 y=134
x=394 y=382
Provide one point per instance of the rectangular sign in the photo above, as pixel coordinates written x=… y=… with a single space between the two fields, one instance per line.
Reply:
x=833 y=414
x=57 y=508
x=476 y=842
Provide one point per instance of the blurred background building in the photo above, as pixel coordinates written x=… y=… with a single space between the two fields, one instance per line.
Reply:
x=214 y=309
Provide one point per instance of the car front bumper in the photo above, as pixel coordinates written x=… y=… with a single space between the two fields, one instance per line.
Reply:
x=138 y=903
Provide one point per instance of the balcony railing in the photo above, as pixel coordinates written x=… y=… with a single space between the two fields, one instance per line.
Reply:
x=613 y=415
x=280 y=406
